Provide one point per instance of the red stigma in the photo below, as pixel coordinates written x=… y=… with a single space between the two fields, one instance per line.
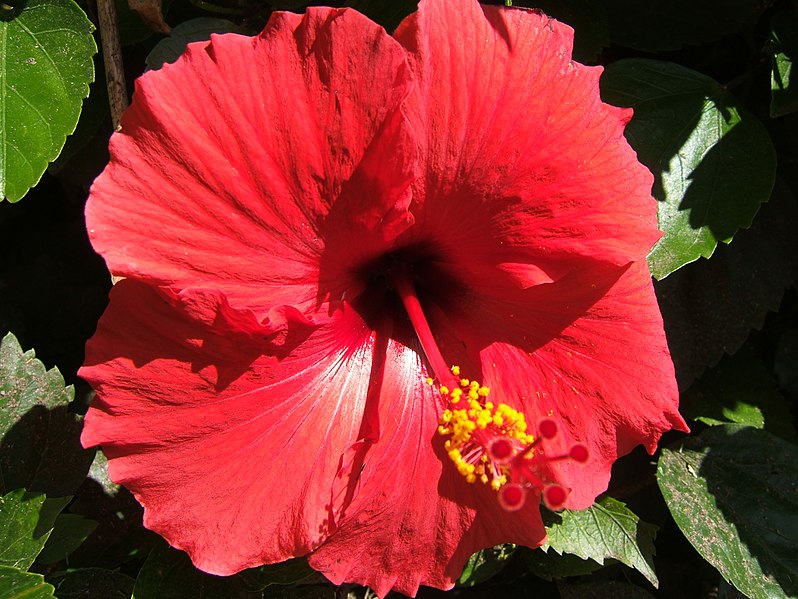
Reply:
x=512 y=497
x=501 y=450
x=547 y=429
x=554 y=496
x=579 y=453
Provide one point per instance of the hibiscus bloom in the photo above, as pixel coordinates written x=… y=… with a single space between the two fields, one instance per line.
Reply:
x=314 y=221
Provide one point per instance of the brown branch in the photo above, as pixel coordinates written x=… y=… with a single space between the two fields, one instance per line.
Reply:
x=112 y=58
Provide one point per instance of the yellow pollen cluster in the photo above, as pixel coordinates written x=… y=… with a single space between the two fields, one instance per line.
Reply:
x=472 y=424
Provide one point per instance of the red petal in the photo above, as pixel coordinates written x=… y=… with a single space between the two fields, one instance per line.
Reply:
x=413 y=519
x=229 y=437
x=521 y=151
x=588 y=352
x=229 y=160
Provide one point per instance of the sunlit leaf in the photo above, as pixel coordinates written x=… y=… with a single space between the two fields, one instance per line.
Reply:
x=17 y=584
x=46 y=50
x=40 y=438
x=709 y=307
x=713 y=162
x=26 y=520
x=732 y=491
x=783 y=89
x=607 y=529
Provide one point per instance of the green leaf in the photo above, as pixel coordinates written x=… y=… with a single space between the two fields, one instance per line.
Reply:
x=170 y=48
x=169 y=574
x=740 y=390
x=732 y=492
x=550 y=565
x=784 y=39
x=93 y=583
x=485 y=564
x=607 y=529
x=669 y=24
x=709 y=307
x=40 y=438
x=95 y=121
x=16 y=584
x=98 y=473
x=26 y=520
x=69 y=532
x=286 y=573
x=24 y=383
x=119 y=537
x=46 y=50
x=713 y=162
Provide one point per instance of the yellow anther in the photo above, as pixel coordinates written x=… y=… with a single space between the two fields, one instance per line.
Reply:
x=430 y=380
x=470 y=431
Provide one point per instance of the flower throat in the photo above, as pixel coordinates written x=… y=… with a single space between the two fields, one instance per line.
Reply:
x=488 y=443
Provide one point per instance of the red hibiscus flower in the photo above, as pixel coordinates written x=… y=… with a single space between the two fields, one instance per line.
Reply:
x=313 y=222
